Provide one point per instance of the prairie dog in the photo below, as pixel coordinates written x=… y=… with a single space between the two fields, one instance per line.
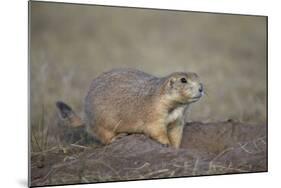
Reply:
x=131 y=101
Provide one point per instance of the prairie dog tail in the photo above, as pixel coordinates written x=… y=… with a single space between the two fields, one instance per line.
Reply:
x=67 y=115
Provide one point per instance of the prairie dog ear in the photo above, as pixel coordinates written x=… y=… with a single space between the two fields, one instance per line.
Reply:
x=171 y=81
x=67 y=114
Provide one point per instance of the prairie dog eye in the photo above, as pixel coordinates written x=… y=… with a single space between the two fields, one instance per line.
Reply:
x=183 y=80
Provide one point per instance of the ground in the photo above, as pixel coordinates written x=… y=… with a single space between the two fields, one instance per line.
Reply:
x=207 y=148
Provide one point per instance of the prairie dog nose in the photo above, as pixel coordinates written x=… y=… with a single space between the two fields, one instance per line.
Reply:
x=200 y=88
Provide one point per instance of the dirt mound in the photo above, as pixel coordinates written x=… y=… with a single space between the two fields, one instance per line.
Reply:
x=211 y=148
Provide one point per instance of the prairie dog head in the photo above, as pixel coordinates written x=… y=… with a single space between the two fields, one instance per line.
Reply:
x=183 y=88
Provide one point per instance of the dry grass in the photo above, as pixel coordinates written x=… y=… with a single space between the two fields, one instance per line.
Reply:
x=71 y=45
x=39 y=134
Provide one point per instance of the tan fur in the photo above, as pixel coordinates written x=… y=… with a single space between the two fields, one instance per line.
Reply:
x=131 y=101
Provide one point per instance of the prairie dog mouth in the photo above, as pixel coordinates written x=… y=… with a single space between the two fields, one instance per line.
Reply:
x=196 y=98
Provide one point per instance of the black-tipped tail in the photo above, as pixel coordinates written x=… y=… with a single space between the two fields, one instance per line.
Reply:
x=66 y=113
x=65 y=110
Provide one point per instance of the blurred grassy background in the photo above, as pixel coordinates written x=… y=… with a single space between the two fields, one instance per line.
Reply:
x=72 y=44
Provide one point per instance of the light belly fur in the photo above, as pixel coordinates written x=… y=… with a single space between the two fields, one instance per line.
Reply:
x=176 y=114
